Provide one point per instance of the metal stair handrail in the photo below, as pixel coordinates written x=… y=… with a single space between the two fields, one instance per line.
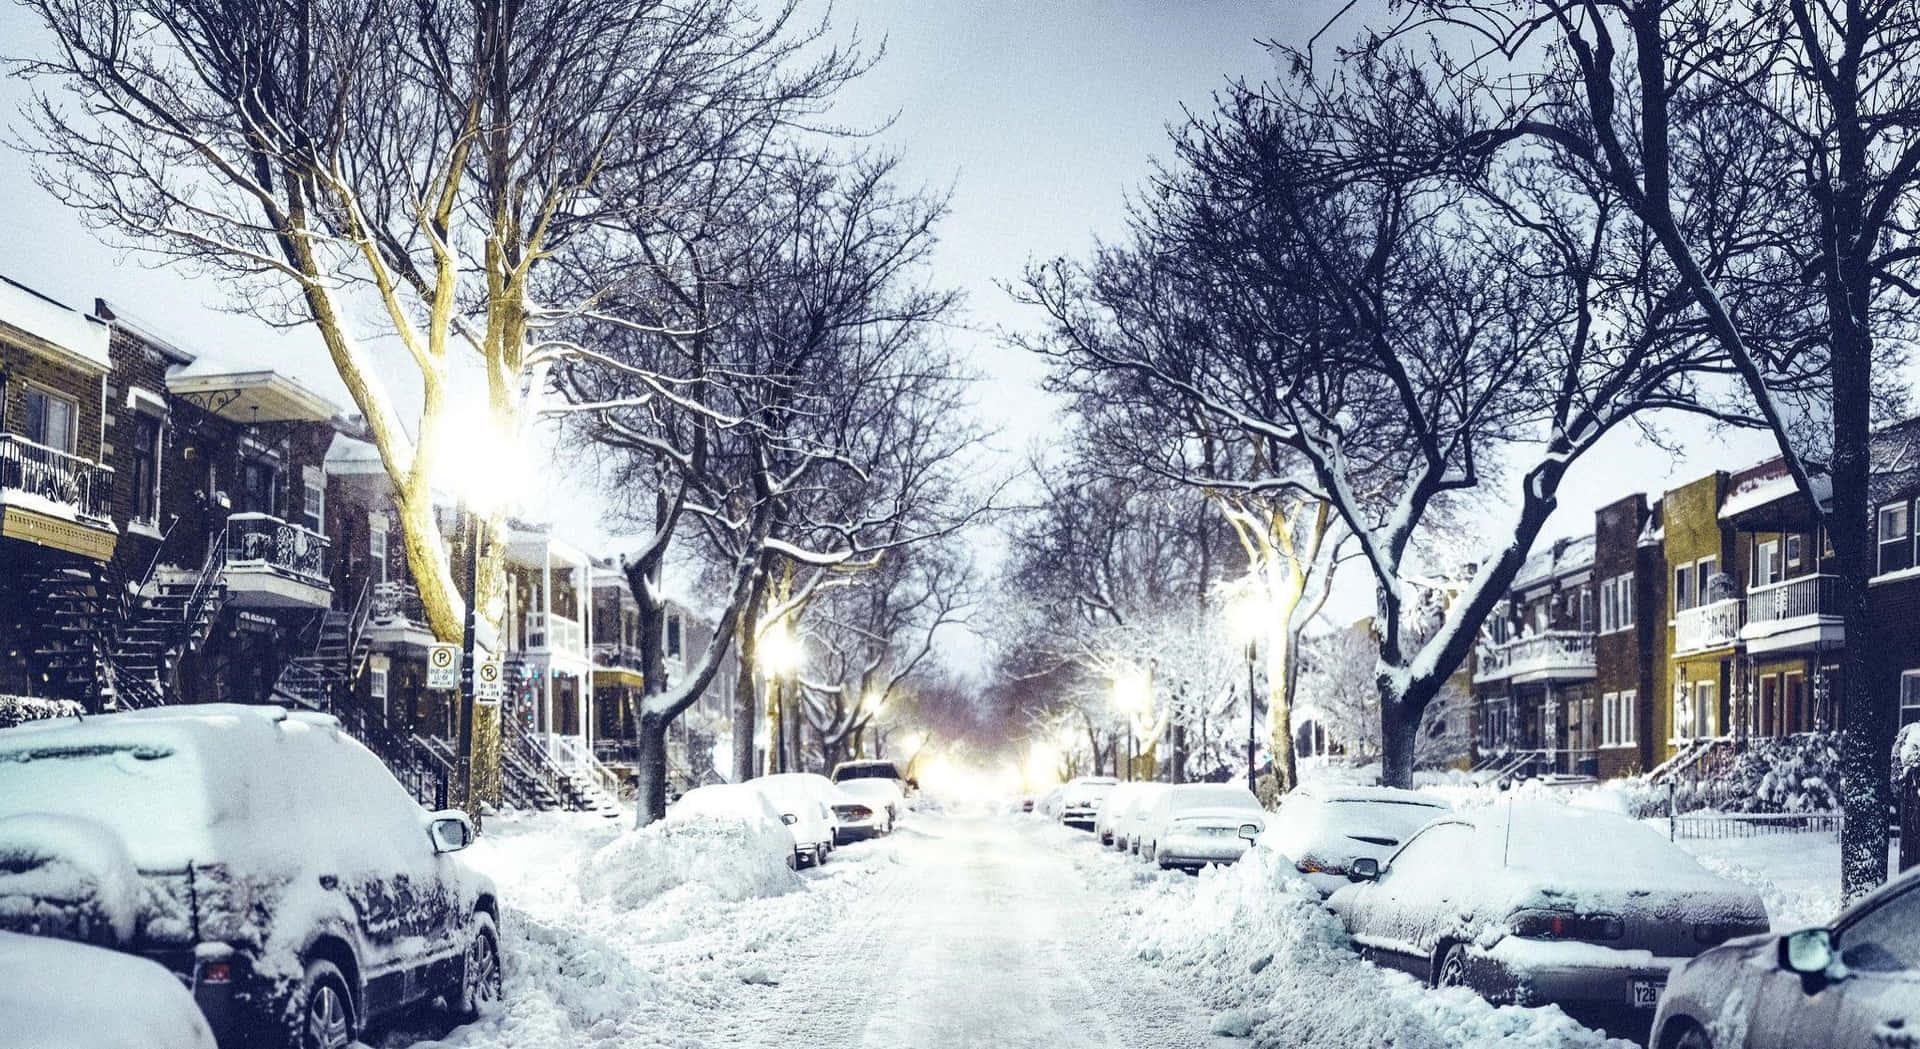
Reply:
x=575 y=751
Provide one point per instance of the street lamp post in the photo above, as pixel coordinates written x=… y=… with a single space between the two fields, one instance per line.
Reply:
x=1252 y=703
x=467 y=799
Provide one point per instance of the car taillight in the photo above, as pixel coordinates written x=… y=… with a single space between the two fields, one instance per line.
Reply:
x=1316 y=867
x=216 y=972
x=1564 y=925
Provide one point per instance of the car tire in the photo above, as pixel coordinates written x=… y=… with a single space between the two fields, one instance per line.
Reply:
x=819 y=855
x=482 y=976
x=1452 y=970
x=1685 y=1034
x=322 y=1009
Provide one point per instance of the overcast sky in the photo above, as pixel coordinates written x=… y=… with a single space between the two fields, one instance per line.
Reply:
x=1040 y=118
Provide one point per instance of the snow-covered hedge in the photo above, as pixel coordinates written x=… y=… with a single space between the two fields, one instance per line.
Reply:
x=15 y=710
x=733 y=859
x=1257 y=934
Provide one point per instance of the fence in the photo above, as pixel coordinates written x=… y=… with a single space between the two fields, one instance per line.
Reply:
x=1718 y=825
x=289 y=549
x=83 y=486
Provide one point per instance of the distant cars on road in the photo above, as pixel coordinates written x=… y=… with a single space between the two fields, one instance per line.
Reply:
x=1323 y=830
x=266 y=858
x=1080 y=802
x=1536 y=902
x=1192 y=825
x=1852 y=985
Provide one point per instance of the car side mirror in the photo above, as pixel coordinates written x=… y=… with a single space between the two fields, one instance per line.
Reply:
x=1366 y=868
x=450 y=830
x=1808 y=952
x=1249 y=832
x=789 y=818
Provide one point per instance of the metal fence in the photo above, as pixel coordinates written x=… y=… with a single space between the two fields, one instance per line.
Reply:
x=1717 y=825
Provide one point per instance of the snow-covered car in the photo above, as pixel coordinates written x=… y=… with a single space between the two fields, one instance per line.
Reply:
x=1113 y=810
x=1323 y=829
x=1081 y=800
x=1128 y=827
x=266 y=858
x=872 y=768
x=856 y=819
x=1852 y=985
x=1194 y=824
x=60 y=995
x=880 y=794
x=808 y=785
x=807 y=819
x=1533 y=902
x=741 y=803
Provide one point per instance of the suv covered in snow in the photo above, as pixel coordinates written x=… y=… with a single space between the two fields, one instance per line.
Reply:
x=871 y=769
x=267 y=859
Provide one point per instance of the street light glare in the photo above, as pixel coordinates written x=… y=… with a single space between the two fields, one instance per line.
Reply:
x=779 y=653
x=479 y=464
x=1248 y=612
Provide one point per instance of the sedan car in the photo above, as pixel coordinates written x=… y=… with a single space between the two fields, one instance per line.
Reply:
x=1322 y=830
x=808 y=785
x=1081 y=800
x=266 y=858
x=1534 y=902
x=741 y=803
x=1194 y=824
x=1852 y=985
x=1129 y=824
x=1116 y=806
x=809 y=821
x=878 y=794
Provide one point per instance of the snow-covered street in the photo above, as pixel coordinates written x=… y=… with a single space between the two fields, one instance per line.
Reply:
x=959 y=930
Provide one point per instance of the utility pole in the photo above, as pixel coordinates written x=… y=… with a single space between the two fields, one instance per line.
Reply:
x=1251 y=708
x=467 y=797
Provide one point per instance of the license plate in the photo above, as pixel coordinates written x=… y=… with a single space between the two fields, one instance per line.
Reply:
x=1645 y=994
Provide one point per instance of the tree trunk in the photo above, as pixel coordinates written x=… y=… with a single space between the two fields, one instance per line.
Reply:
x=1177 y=753
x=650 y=769
x=1399 y=728
x=746 y=704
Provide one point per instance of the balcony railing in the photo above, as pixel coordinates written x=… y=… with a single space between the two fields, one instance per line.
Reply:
x=1709 y=626
x=265 y=541
x=616 y=654
x=396 y=603
x=1552 y=650
x=67 y=481
x=550 y=631
x=1811 y=595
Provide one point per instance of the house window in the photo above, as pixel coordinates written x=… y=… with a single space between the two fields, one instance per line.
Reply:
x=313 y=499
x=673 y=637
x=377 y=683
x=1628 y=718
x=377 y=547
x=1705 y=701
x=146 y=469
x=259 y=488
x=1682 y=588
x=1909 y=697
x=1703 y=572
x=1616 y=604
x=52 y=420
x=1896 y=552
x=1764 y=570
x=1793 y=551
x=1618 y=716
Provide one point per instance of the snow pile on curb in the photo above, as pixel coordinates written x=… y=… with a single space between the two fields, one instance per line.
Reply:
x=732 y=859
x=1258 y=937
x=18 y=710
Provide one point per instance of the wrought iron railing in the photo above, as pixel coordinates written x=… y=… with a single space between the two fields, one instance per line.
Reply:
x=1810 y=595
x=262 y=540
x=1549 y=650
x=615 y=654
x=396 y=603
x=1708 y=626
x=551 y=631
x=80 y=485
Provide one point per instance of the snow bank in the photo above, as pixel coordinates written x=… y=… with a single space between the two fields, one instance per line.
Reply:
x=1256 y=935
x=731 y=859
x=60 y=995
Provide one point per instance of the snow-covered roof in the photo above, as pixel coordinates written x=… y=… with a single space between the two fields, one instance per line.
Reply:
x=251 y=395
x=79 y=338
x=1757 y=492
x=1556 y=559
x=352 y=457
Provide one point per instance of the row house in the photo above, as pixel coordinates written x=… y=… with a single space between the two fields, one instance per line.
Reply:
x=619 y=680
x=1533 y=676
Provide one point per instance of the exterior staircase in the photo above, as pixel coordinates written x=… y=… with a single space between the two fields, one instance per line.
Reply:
x=171 y=613
x=339 y=656
x=73 y=646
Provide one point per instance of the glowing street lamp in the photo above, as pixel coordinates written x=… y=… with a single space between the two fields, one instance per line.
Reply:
x=780 y=655
x=1132 y=697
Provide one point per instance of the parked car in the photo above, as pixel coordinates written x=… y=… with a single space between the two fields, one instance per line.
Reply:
x=1852 y=985
x=1113 y=810
x=808 y=785
x=807 y=818
x=880 y=794
x=1127 y=829
x=60 y=995
x=1322 y=830
x=1194 y=824
x=1535 y=902
x=266 y=858
x=872 y=768
x=740 y=802
x=1080 y=802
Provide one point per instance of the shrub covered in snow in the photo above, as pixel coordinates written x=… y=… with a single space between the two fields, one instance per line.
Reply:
x=15 y=710
x=734 y=859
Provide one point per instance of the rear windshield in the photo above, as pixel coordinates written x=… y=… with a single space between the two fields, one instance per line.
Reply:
x=150 y=795
x=875 y=771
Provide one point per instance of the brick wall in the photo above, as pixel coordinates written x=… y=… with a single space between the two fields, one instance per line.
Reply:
x=21 y=368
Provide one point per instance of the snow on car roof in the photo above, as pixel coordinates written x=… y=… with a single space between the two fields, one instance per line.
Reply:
x=61 y=995
x=1210 y=795
x=1383 y=795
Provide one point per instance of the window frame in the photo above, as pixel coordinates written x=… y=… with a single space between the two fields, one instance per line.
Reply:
x=1903 y=542
x=377 y=552
x=1683 y=587
x=149 y=460
x=51 y=395
x=1767 y=551
x=1908 y=710
x=313 y=500
x=1702 y=579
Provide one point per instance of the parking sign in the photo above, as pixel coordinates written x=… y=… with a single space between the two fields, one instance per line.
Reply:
x=443 y=666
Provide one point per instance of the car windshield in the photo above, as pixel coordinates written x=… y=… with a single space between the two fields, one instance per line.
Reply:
x=1388 y=821
x=876 y=770
x=150 y=794
x=1886 y=938
x=1214 y=797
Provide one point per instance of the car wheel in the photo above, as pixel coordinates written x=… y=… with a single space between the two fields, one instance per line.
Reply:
x=482 y=978
x=323 y=1009
x=1453 y=968
x=1686 y=1035
x=819 y=855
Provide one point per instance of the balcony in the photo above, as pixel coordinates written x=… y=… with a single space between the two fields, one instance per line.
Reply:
x=1710 y=626
x=395 y=615
x=53 y=499
x=275 y=564
x=552 y=632
x=1793 y=615
x=1553 y=655
x=616 y=654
